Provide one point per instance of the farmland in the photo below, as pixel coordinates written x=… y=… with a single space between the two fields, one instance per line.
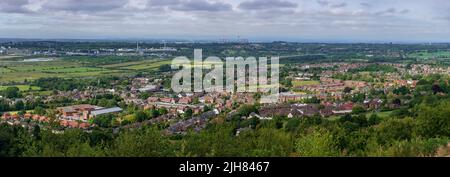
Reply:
x=22 y=87
x=18 y=71
x=430 y=55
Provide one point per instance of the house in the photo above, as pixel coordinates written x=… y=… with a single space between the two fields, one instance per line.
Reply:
x=35 y=117
x=344 y=108
x=254 y=115
x=73 y=124
x=100 y=112
x=185 y=100
x=15 y=117
x=208 y=99
x=84 y=125
x=27 y=116
x=327 y=111
x=168 y=100
x=149 y=88
x=44 y=119
x=6 y=116
x=373 y=104
x=287 y=97
x=77 y=111
x=229 y=104
x=84 y=112
x=152 y=99
x=290 y=111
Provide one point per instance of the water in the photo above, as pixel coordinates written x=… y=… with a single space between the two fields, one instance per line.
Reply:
x=38 y=59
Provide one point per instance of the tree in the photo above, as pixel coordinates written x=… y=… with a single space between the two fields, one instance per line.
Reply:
x=396 y=101
x=313 y=100
x=153 y=113
x=163 y=111
x=317 y=144
x=37 y=132
x=245 y=110
x=188 y=113
x=292 y=124
x=140 y=116
x=358 y=110
x=104 y=121
x=436 y=89
x=358 y=97
x=39 y=110
x=374 y=119
x=12 y=92
x=394 y=130
x=19 y=105
x=434 y=121
x=145 y=142
x=347 y=90
x=164 y=68
x=403 y=90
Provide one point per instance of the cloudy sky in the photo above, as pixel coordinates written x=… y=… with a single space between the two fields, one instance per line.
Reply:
x=293 y=20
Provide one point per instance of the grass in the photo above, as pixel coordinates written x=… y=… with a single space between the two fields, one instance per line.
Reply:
x=149 y=65
x=8 y=57
x=17 y=112
x=384 y=114
x=22 y=87
x=75 y=70
x=303 y=83
x=430 y=55
x=11 y=71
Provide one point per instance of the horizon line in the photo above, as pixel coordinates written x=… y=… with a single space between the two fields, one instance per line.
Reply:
x=218 y=40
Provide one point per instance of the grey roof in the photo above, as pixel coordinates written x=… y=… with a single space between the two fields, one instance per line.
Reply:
x=106 y=111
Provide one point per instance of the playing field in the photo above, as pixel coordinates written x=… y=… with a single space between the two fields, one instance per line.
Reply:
x=303 y=83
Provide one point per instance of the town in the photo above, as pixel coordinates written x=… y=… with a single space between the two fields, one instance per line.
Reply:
x=123 y=93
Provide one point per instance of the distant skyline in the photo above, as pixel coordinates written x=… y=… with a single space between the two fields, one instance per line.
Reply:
x=256 y=20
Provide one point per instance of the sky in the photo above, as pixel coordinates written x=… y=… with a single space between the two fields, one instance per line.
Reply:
x=263 y=20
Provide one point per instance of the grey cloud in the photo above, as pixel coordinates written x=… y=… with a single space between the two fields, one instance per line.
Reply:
x=158 y=3
x=404 y=11
x=201 y=5
x=387 y=11
x=84 y=5
x=13 y=6
x=340 y=5
x=323 y=3
x=391 y=11
x=266 y=4
x=365 y=4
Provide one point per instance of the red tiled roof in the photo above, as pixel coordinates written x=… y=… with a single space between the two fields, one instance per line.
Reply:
x=15 y=116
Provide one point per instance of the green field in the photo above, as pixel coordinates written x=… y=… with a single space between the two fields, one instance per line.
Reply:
x=384 y=114
x=303 y=83
x=430 y=55
x=22 y=87
x=19 y=71
x=148 y=65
